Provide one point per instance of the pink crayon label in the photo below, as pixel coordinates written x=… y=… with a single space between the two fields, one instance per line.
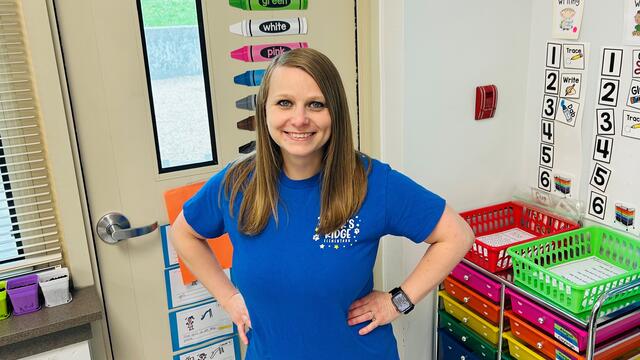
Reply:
x=266 y=52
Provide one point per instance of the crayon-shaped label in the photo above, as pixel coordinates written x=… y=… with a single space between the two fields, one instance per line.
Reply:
x=255 y=5
x=266 y=52
x=249 y=78
x=270 y=27
x=248 y=123
x=247 y=148
x=247 y=102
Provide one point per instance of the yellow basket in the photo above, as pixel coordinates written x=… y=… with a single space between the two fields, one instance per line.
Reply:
x=519 y=351
x=470 y=319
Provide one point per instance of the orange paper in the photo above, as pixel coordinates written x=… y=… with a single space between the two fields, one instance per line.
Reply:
x=174 y=199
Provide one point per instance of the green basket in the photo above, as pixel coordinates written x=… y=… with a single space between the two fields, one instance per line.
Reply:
x=4 y=306
x=532 y=260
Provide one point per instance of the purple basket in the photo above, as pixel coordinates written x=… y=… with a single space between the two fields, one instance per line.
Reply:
x=23 y=293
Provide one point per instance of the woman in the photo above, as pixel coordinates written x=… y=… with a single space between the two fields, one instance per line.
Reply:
x=305 y=214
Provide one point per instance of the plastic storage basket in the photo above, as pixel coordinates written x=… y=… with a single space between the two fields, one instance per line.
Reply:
x=532 y=263
x=508 y=221
x=23 y=293
x=4 y=304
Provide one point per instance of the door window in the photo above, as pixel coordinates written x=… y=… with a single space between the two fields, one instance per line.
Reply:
x=177 y=78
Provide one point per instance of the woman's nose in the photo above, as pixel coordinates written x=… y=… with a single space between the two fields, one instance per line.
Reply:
x=299 y=117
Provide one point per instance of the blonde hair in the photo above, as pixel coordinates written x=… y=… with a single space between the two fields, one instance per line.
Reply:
x=344 y=177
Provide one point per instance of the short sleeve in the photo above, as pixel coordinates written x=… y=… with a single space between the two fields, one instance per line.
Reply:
x=204 y=212
x=411 y=210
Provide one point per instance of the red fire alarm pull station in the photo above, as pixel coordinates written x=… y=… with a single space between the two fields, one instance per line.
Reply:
x=486 y=100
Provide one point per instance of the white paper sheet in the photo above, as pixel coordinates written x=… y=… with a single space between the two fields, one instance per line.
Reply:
x=506 y=237
x=586 y=271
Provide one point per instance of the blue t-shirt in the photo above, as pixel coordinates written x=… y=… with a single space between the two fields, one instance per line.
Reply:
x=298 y=284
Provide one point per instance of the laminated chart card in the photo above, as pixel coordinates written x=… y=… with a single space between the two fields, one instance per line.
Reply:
x=631 y=22
x=560 y=144
x=567 y=19
x=228 y=349
x=613 y=184
x=197 y=324
x=180 y=294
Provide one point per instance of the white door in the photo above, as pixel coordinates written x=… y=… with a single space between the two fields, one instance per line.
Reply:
x=105 y=66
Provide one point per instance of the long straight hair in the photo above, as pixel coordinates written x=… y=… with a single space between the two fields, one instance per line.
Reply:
x=344 y=177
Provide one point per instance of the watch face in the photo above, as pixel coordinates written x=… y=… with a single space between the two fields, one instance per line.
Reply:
x=401 y=302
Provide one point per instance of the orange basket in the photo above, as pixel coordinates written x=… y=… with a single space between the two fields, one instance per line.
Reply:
x=498 y=227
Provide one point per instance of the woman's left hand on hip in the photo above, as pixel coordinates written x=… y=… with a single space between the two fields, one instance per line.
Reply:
x=376 y=308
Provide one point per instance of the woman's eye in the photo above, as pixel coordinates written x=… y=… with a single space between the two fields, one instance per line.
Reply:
x=284 y=103
x=316 y=105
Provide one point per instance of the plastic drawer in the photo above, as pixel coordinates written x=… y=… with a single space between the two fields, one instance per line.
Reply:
x=520 y=351
x=466 y=336
x=477 y=282
x=528 y=334
x=616 y=348
x=572 y=336
x=471 y=299
x=470 y=319
x=450 y=349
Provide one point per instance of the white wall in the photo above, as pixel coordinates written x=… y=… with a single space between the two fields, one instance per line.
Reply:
x=433 y=55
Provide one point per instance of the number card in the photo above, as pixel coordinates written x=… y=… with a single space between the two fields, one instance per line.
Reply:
x=549 y=106
x=600 y=177
x=611 y=62
x=228 y=349
x=552 y=79
x=544 y=179
x=606 y=124
x=554 y=53
x=608 y=92
x=197 y=324
x=602 y=149
x=546 y=155
x=597 y=205
x=546 y=131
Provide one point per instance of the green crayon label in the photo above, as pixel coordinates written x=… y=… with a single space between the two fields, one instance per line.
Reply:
x=253 y=5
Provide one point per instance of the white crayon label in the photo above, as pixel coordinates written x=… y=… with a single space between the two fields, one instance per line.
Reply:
x=270 y=27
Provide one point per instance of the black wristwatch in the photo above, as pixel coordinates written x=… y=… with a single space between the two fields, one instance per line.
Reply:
x=401 y=301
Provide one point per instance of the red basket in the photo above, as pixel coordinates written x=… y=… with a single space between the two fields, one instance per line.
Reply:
x=506 y=216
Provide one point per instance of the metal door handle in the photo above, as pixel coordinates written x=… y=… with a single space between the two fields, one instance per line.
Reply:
x=114 y=227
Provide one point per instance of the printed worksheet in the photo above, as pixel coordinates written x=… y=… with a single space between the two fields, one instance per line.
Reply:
x=224 y=350
x=198 y=324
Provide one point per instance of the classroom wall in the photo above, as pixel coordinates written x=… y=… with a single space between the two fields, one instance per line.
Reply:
x=601 y=26
x=433 y=55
